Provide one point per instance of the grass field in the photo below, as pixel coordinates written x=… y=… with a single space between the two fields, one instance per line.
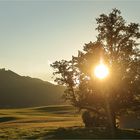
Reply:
x=36 y=122
x=51 y=122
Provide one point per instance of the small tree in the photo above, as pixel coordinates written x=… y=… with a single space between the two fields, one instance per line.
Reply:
x=117 y=46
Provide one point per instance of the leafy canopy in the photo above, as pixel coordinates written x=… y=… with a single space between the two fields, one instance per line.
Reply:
x=117 y=46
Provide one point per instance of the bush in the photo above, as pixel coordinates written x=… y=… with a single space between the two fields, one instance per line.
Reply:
x=94 y=120
x=87 y=119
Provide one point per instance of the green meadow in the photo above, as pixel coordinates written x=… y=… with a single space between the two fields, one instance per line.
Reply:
x=59 y=121
x=36 y=122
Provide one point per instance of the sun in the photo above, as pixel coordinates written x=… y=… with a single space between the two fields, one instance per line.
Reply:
x=101 y=71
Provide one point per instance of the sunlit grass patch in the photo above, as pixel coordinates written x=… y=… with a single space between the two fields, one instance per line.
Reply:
x=36 y=122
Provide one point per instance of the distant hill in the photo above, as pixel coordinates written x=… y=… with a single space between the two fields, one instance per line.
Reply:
x=21 y=91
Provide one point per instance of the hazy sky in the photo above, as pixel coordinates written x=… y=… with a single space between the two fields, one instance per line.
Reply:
x=35 y=33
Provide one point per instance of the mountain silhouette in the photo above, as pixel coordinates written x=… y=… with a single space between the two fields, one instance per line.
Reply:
x=21 y=91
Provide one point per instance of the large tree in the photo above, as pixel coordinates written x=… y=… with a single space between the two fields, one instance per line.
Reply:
x=117 y=47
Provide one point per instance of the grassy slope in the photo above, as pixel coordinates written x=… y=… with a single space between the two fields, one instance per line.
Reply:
x=36 y=122
x=51 y=122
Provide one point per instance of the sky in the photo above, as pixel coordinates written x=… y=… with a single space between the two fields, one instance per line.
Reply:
x=35 y=33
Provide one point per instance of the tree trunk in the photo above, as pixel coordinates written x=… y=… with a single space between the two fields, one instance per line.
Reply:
x=111 y=118
x=112 y=122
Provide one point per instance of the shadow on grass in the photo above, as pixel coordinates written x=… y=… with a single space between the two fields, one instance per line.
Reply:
x=6 y=119
x=94 y=133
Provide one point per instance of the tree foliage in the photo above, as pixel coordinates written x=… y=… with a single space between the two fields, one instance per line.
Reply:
x=117 y=46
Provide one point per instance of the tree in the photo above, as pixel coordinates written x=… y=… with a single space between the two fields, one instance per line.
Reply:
x=117 y=46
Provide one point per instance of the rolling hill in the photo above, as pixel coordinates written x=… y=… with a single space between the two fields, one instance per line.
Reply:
x=21 y=91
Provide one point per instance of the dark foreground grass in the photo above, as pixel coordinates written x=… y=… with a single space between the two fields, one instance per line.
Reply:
x=94 y=133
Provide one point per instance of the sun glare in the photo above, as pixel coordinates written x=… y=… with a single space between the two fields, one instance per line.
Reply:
x=101 y=71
